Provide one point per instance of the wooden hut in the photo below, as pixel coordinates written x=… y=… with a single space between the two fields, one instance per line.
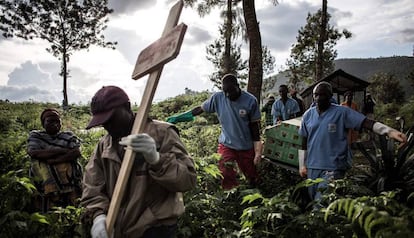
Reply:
x=341 y=82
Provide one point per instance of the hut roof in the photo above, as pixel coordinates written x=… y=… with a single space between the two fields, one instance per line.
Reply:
x=341 y=82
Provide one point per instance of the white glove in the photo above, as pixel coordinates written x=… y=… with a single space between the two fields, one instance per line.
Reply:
x=381 y=129
x=98 y=229
x=302 y=155
x=142 y=143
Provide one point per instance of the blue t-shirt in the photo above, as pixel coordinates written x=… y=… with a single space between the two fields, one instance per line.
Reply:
x=284 y=110
x=327 y=136
x=234 y=117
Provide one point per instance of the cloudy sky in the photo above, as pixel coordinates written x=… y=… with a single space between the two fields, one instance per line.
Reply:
x=27 y=72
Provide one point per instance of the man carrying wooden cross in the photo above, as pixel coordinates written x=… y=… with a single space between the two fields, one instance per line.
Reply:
x=161 y=171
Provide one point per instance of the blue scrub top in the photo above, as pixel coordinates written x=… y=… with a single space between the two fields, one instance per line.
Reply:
x=234 y=117
x=327 y=136
x=284 y=110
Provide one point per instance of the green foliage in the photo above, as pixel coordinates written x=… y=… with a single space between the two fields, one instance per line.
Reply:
x=302 y=62
x=277 y=207
x=16 y=217
x=268 y=61
x=380 y=216
x=65 y=222
x=283 y=215
x=410 y=77
x=17 y=191
x=391 y=169
x=237 y=64
x=407 y=112
x=16 y=117
x=216 y=55
x=210 y=211
x=388 y=112
x=182 y=103
x=380 y=86
x=267 y=87
x=268 y=215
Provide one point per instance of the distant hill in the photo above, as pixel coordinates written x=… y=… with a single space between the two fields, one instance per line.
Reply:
x=400 y=66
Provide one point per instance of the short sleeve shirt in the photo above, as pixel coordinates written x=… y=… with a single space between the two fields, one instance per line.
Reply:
x=327 y=136
x=279 y=109
x=234 y=117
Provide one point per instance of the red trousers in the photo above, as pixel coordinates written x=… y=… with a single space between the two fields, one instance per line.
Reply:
x=243 y=158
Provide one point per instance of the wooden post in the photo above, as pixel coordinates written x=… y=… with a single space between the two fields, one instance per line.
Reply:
x=151 y=60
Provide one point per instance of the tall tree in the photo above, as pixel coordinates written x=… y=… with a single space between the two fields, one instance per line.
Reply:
x=254 y=84
x=226 y=64
x=228 y=35
x=304 y=53
x=321 y=41
x=68 y=26
x=237 y=65
x=233 y=24
x=255 y=41
x=268 y=61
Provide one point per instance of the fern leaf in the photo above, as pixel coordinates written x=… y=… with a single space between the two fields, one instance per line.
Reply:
x=380 y=221
x=367 y=221
x=251 y=198
x=357 y=213
x=39 y=218
x=346 y=205
x=341 y=204
x=350 y=208
x=365 y=211
x=332 y=207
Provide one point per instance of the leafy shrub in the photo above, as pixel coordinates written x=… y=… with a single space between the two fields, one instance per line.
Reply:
x=16 y=217
x=380 y=216
x=278 y=207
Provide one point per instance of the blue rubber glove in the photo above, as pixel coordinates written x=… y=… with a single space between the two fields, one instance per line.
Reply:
x=183 y=117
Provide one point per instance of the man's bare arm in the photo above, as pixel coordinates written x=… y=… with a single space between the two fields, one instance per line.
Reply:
x=197 y=111
x=257 y=143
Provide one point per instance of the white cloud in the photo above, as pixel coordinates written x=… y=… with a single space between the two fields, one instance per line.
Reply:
x=14 y=52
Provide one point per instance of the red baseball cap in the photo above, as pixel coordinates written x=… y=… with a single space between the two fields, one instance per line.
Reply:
x=104 y=103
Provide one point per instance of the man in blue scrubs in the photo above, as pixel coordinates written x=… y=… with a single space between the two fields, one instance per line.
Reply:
x=239 y=141
x=325 y=152
x=284 y=108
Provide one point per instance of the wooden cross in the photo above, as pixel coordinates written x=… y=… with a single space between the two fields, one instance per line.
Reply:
x=150 y=60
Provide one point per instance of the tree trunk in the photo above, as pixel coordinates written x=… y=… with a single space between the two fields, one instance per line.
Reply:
x=254 y=84
x=65 y=76
x=228 y=33
x=64 y=73
x=321 y=42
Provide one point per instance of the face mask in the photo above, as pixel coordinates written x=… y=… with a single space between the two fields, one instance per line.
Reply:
x=322 y=99
x=52 y=125
x=232 y=92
